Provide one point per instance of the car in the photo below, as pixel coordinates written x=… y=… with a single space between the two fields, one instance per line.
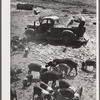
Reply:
x=49 y=28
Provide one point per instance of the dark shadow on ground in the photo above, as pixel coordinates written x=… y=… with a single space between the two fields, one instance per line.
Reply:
x=87 y=71
x=15 y=53
x=94 y=76
x=73 y=44
x=46 y=42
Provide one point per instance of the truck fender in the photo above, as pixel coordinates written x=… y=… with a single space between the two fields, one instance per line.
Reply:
x=29 y=32
x=70 y=34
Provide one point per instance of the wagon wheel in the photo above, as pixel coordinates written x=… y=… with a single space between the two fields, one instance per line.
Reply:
x=66 y=39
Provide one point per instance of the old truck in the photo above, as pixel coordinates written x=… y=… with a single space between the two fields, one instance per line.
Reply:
x=50 y=29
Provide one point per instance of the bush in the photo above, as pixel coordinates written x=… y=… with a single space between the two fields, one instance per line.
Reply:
x=84 y=11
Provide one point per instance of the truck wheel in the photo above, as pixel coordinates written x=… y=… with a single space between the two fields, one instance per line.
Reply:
x=66 y=39
x=29 y=33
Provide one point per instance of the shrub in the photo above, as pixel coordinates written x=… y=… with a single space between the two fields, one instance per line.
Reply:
x=84 y=11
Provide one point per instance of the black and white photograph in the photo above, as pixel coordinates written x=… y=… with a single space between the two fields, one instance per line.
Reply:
x=53 y=50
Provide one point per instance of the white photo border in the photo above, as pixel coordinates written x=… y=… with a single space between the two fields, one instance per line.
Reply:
x=5 y=20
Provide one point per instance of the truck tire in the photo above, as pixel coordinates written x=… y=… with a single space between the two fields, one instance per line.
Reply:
x=68 y=36
x=66 y=39
x=30 y=34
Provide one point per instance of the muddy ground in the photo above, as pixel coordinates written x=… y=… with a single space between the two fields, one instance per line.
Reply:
x=44 y=52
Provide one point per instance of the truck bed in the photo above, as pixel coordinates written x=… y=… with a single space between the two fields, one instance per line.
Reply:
x=79 y=32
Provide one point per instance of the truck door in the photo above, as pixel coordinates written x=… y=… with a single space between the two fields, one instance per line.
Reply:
x=46 y=26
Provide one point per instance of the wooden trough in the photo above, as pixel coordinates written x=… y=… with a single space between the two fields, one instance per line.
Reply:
x=25 y=6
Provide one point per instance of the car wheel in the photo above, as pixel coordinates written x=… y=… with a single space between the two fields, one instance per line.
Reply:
x=66 y=39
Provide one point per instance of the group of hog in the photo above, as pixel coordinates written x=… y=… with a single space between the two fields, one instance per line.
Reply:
x=57 y=69
x=53 y=72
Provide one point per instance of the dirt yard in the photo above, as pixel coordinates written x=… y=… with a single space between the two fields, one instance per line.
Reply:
x=41 y=52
